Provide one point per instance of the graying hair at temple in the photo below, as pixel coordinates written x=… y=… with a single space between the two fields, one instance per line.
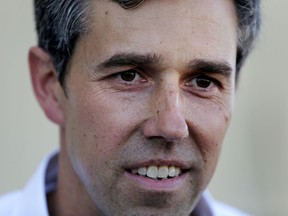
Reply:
x=60 y=23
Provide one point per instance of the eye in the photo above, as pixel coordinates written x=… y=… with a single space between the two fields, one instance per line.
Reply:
x=128 y=76
x=130 y=4
x=202 y=82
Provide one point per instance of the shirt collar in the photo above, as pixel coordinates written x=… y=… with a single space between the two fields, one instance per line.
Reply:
x=34 y=200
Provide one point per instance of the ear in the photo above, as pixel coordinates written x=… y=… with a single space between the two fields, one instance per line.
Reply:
x=47 y=89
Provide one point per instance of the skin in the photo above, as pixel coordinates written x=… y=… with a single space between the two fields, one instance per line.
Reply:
x=172 y=108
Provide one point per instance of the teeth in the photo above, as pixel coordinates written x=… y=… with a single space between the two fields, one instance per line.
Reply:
x=152 y=171
x=142 y=171
x=171 y=171
x=162 y=172
x=177 y=171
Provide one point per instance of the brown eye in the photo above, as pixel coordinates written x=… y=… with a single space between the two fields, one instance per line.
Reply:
x=203 y=82
x=129 y=4
x=128 y=76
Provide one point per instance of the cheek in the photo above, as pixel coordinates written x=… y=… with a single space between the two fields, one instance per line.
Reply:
x=90 y=128
x=100 y=125
x=91 y=138
x=210 y=125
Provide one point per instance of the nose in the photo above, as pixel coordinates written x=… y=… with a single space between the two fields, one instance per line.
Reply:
x=166 y=119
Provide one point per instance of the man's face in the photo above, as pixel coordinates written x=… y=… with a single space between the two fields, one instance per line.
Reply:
x=149 y=94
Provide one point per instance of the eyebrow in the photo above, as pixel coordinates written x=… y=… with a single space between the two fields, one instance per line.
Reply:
x=211 y=66
x=133 y=59
x=152 y=59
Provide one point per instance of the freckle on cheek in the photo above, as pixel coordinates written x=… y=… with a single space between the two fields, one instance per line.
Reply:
x=226 y=118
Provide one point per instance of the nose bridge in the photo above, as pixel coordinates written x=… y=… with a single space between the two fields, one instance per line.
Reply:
x=169 y=98
x=168 y=121
x=168 y=94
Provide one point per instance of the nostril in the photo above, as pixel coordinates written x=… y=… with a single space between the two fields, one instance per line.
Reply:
x=173 y=126
x=168 y=124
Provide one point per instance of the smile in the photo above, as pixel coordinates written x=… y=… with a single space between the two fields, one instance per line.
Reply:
x=158 y=172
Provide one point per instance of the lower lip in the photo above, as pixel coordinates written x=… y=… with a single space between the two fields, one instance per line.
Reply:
x=158 y=185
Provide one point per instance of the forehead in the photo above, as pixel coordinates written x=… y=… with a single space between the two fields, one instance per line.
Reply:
x=163 y=25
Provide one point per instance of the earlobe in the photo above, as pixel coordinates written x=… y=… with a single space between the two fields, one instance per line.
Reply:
x=45 y=84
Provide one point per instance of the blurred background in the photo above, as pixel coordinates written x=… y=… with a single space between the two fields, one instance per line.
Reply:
x=252 y=173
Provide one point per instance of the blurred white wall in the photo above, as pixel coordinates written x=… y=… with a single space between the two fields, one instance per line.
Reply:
x=25 y=134
x=252 y=173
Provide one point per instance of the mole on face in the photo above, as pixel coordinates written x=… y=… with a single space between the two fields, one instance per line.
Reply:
x=129 y=4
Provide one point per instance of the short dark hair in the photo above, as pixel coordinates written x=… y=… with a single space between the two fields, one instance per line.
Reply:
x=249 y=22
x=60 y=23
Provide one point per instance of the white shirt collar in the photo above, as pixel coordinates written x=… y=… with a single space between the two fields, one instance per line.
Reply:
x=34 y=200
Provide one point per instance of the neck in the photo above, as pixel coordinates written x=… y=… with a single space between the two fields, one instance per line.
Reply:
x=70 y=197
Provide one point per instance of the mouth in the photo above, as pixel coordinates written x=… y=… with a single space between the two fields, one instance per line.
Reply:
x=158 y=176
x=158 y=172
